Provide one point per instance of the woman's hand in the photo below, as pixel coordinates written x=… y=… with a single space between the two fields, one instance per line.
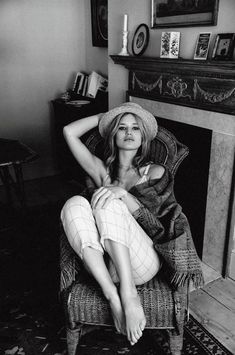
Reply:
x=104 y=195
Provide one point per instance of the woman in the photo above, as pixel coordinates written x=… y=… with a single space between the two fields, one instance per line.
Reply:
x=126 y=214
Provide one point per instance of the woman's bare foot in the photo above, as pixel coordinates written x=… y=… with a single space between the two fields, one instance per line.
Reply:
x=117 y=313
x=134 y=315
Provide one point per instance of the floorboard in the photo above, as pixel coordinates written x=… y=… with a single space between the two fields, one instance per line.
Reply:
x=213 y=306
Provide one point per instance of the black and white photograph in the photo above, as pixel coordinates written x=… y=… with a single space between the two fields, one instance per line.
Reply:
x=117 y=176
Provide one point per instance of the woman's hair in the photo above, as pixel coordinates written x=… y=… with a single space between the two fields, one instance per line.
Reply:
x=111 y=151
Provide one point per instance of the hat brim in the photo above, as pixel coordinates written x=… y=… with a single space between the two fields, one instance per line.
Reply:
x=148 y=120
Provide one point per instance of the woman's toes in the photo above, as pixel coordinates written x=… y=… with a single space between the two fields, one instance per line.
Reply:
x=139 y=333
x=134 y=337
x=143 y=324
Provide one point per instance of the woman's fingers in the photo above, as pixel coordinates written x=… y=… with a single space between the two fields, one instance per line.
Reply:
x=107 y=200
x=101 y=201
x=101 y=198
x=97 y=194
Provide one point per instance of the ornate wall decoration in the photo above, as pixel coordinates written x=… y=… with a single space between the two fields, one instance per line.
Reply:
x=212 y=97
x=147 y=86
x=177 y=88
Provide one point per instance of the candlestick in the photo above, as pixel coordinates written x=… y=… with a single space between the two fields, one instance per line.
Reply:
x=124 y=50
x=125 y=22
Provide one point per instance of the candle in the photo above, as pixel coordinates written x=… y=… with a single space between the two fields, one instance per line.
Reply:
x=125 y=22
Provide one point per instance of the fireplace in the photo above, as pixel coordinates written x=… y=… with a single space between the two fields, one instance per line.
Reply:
x=196 y=102
x=213 y=149
x=191 y=180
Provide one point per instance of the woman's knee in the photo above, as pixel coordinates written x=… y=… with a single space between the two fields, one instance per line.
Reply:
x=75 y=202
x=114 y=205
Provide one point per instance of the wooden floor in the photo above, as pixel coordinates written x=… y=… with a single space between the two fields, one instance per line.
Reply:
x=213 y=305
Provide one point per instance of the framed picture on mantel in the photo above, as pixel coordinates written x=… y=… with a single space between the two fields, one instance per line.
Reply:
x=179 y=13
x=224 y=46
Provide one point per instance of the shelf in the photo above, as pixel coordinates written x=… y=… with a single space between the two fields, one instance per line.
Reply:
x=208 y=68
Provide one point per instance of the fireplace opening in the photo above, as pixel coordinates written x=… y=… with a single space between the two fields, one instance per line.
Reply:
x=191 y=180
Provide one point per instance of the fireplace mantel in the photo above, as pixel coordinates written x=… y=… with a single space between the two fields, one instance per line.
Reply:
x=208 y=85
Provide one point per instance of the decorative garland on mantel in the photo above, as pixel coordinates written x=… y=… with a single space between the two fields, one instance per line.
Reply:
x=212 y=97
x=145 y=86
x=179 y=88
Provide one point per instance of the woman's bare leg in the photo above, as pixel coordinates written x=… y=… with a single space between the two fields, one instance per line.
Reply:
x=80 y=228
x=94 y=262
x=133 y=311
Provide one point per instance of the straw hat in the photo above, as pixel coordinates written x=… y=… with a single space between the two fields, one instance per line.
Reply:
x=149 y=121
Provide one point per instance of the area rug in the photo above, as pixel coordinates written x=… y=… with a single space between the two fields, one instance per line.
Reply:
x=31 y=317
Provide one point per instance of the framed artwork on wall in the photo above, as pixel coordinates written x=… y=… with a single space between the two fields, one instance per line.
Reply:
x=224 y=46
x=99 y=23
x=179 y=13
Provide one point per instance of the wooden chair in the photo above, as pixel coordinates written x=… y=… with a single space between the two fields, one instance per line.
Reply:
x=83 y=301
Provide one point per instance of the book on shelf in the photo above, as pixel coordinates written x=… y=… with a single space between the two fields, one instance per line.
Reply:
x=77 y=81
x=88 y=85
x=96 y=82
x=82 y=86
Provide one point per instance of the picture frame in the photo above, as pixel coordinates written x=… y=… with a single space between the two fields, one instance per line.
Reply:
x=99 y=23
x=140 y=39
x=179 y=13
x=202 y=46
x=223 y=46
x=170 y=43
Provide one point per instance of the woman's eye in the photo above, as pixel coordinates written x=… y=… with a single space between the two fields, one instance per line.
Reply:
x=136 y=128
x=122 y=128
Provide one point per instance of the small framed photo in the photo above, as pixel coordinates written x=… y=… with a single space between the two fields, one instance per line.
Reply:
x=202 y=46
x=140 y=39
x=99 y=23
x=170 y=43
x=224 y=46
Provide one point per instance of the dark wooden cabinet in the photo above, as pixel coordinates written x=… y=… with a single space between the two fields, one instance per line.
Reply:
x=64 y=114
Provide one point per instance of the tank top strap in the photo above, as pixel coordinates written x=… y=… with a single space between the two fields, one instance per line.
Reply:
x=147 y=170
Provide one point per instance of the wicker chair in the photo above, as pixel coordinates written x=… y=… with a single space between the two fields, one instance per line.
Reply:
x=83 y=300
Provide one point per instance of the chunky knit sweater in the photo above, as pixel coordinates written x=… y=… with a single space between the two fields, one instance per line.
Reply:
x=163 y=220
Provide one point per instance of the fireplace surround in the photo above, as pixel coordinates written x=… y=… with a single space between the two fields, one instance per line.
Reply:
x=202 y=96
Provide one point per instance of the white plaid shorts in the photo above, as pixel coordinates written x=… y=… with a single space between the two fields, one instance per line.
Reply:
x=85 y=227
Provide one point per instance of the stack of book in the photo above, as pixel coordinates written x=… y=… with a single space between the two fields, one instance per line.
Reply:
x=88 y=85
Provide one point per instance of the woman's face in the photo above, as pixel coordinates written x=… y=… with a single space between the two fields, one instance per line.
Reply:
x=128 y=135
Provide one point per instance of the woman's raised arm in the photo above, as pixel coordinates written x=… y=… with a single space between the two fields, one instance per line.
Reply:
x=89 y=162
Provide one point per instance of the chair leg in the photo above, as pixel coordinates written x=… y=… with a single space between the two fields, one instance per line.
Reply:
x=73 y=338
x=175 y=342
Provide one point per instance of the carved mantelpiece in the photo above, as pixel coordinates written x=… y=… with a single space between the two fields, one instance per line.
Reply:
x=208 y=85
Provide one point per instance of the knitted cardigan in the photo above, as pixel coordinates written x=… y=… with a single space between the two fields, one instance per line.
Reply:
x=163 y=220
